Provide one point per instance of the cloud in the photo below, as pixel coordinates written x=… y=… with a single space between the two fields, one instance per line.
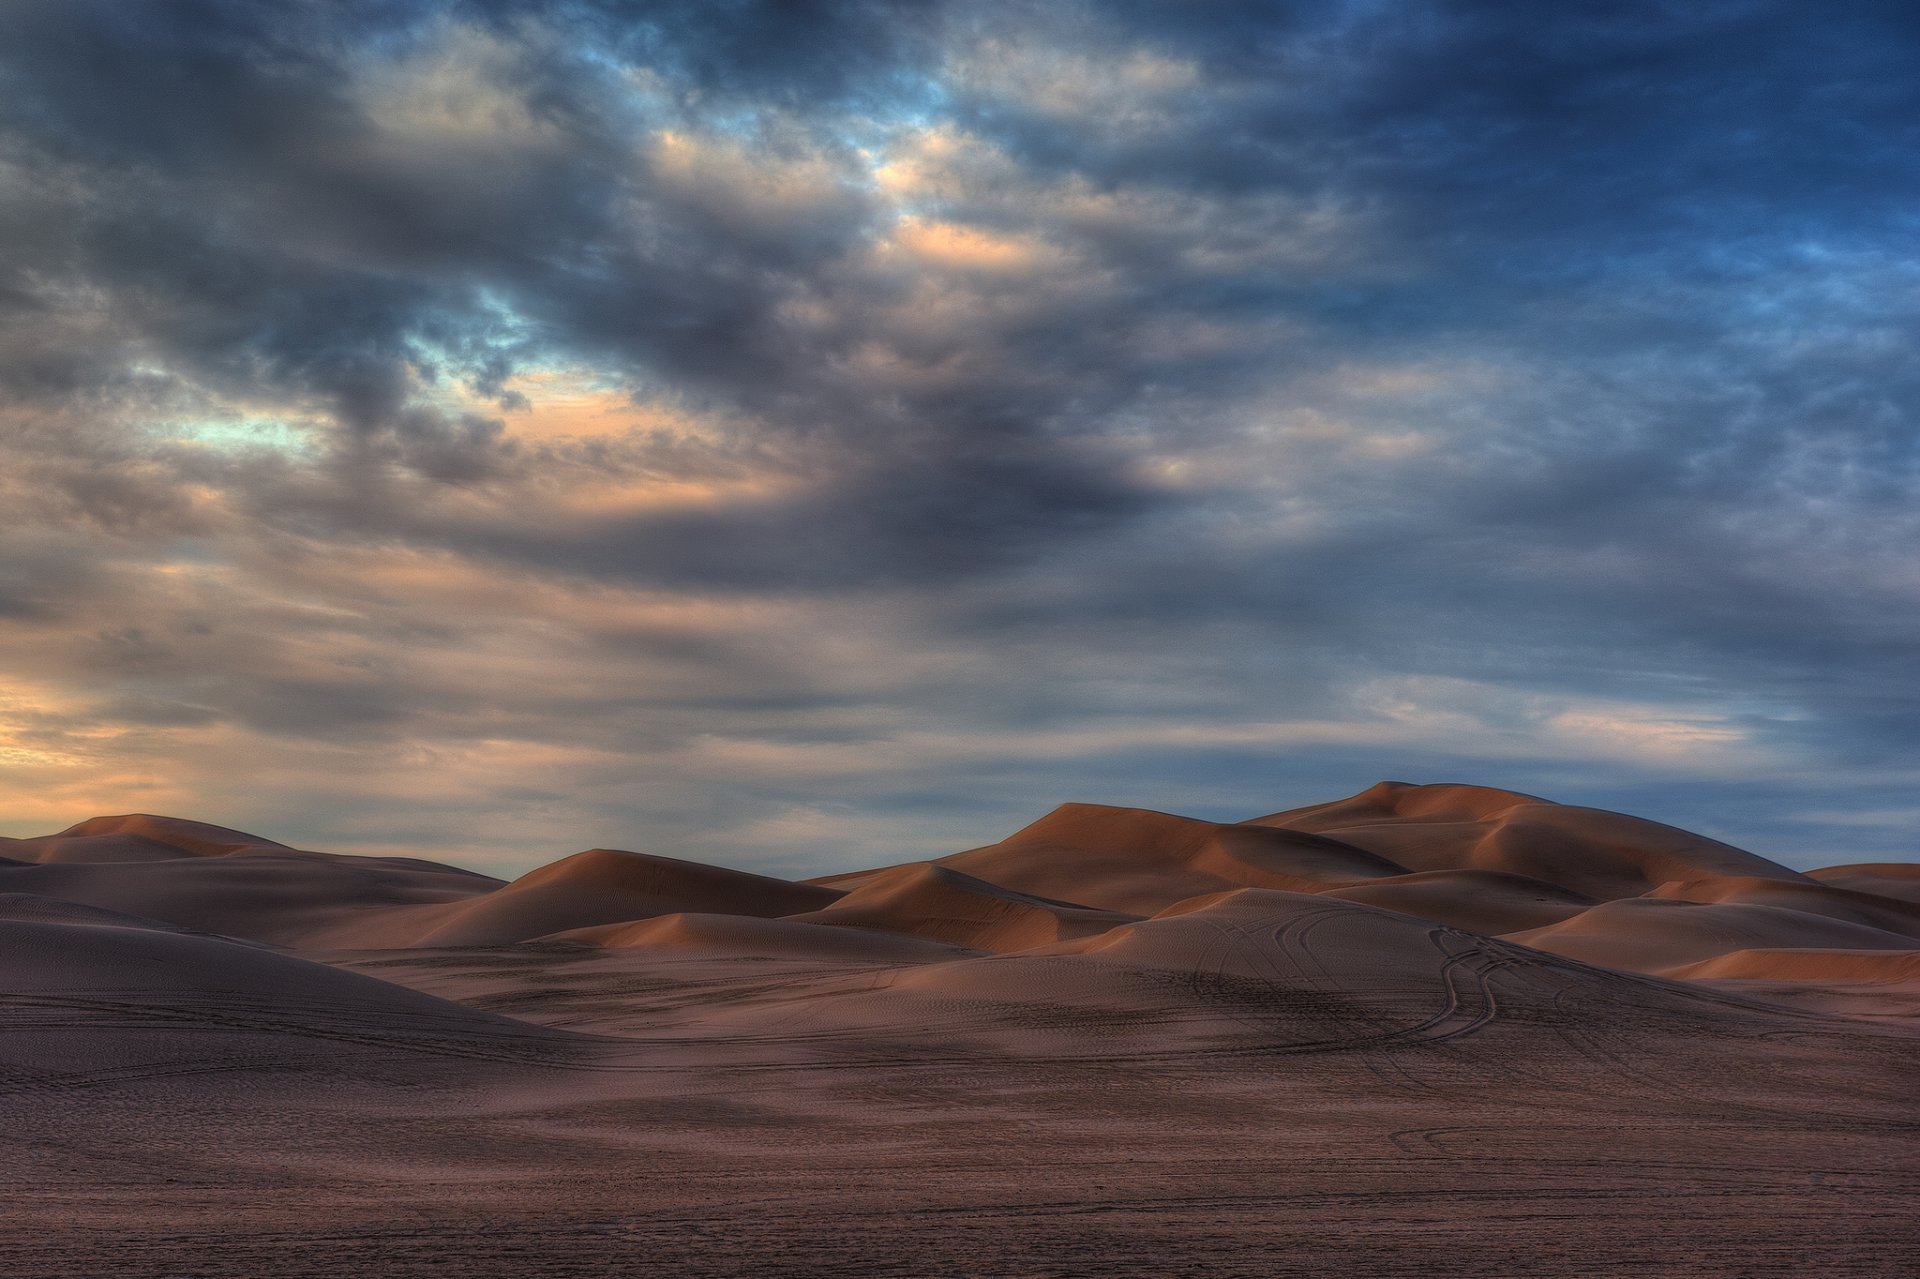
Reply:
x=520 y=426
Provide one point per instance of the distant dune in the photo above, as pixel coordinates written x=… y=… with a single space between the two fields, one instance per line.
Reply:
x=1600 y=887
x=599 y=886
x=941 y=904
x=745 y=936
x=1884 y=879
x=1137 y=861
x=1115 y=1037
x=1585 y=850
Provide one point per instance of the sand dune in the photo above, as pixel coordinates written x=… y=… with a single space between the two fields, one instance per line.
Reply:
x=944 y=905
x=599 y=886
x=1487 y=861
x=1847 y=905
x=263 y=893
x=31 y=908
x=1480 y=901
x=1899 y=880
x=135 y=837
x=1881 y=984
x=1585 y=850
x=1441 y=1014
x=1808 y=964
x=1657 y=935
x=92 y=1005
x=1262 y=971
x=1136 y=861
x=747 y=936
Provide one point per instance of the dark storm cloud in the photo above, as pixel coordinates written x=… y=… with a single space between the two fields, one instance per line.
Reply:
x=1446 y=373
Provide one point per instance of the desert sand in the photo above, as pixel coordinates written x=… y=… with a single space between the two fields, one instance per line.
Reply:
x=1422 y=1030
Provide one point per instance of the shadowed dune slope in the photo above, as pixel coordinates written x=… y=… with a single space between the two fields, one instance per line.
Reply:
x=184 y=838
x=270 y=893
x=1899 y=880
x=1479 y=901
x=1657 y=935
x=1258 y=970
x=599 y=886
x=1585 y=850
x=1137 y=861
x=92 y=1004
x=744 y=935
x=1889 y=914
x=1808 y=964
x=1268 y=933
x=31 y=908
x=941 y=904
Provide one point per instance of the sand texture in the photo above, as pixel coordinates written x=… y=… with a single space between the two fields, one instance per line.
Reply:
x=1423 y=1030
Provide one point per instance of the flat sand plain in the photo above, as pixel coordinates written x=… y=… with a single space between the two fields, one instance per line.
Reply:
x=1424 y=1030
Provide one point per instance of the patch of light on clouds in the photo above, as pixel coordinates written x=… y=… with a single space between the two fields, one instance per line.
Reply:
x=1495 y=721
x=246 y=433
x=453 y=88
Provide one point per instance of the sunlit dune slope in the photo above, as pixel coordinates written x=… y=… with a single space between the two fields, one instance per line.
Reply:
x=942 y=904
x=1846 y=905
x=135 y=837
x=600 y=886
x=1808 y=964
x=1879 y=984
x=1657 y=934
x=1586 y=850
x=1137 y=861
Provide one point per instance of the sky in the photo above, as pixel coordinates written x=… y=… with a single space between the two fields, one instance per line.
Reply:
x=807 y=436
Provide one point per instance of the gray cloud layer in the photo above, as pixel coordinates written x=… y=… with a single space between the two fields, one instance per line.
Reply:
x=816 y=434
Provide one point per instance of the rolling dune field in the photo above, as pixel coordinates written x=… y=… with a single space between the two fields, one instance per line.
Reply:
x=1422 y=1030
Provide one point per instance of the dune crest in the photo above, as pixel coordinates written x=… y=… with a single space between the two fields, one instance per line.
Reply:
x=1137 y=861
x=599 y=886
x=135 y=837
x=939 y=903
x=1585 y=850
x=196 y=839
x=1899 y=880
x=266 y=893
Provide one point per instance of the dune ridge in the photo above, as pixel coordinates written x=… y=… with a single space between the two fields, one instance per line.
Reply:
x=1137 y=861
x=599 y=886
x=1899 y=880
x=1586 y=884
x=939 y=903
x=1589 y=850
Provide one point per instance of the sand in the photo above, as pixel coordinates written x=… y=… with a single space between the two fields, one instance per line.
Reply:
x=941 y=904
x=1423 y=1029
